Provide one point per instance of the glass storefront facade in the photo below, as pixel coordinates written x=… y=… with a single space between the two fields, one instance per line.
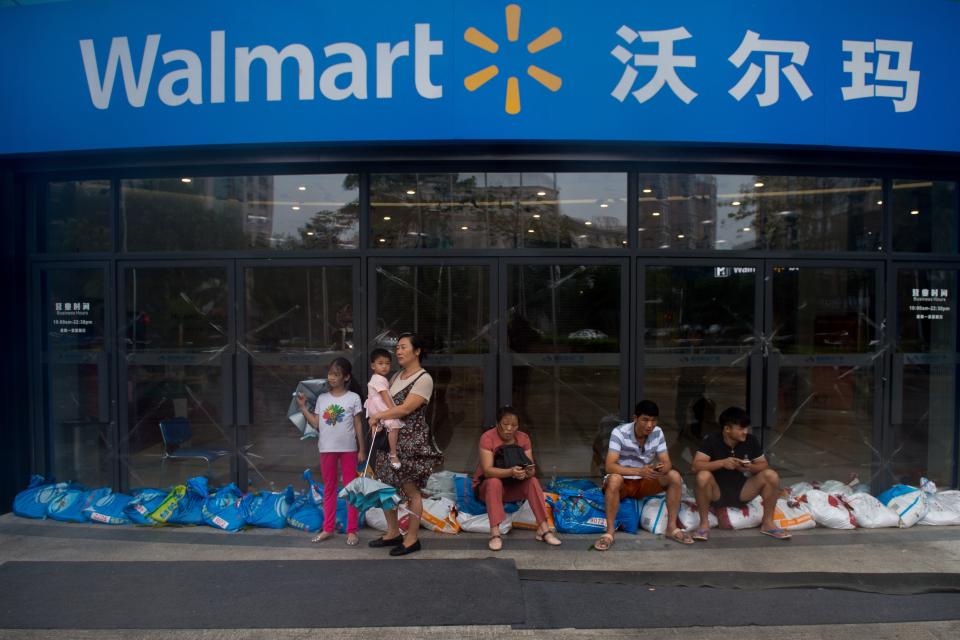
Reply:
x=825 y=305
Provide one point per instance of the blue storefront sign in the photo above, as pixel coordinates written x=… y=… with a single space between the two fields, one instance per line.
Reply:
x=111 y=74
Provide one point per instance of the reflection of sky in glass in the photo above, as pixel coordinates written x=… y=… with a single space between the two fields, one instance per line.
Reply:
x=321 y=193
x=730 y=230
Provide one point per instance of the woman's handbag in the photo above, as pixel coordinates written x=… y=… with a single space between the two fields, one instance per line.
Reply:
x=508 y=456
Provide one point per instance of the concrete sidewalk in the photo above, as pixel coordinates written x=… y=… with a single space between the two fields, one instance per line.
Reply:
x=915 y=550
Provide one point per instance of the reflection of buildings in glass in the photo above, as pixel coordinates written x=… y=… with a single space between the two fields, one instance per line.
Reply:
x=678 y=211
x=255 y=195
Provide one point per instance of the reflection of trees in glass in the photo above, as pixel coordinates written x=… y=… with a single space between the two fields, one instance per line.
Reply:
x=298 y=307
x=78 y=216
x=813 y=213
x=445 y=305
x=570 y=308
x=177 y=308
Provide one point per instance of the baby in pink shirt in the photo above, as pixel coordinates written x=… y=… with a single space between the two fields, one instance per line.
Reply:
x=379 y=399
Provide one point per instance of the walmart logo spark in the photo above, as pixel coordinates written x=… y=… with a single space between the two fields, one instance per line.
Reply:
x=547 y=39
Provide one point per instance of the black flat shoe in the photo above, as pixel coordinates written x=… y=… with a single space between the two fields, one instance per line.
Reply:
x=386 y=542
x=402 y=550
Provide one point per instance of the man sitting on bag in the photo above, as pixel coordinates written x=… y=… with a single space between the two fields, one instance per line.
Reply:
x=638 y=466
x=732 y=470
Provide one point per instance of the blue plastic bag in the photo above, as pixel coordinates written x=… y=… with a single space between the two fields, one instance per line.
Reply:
x=33 y=501
x=190 y=508
x=222 y=509
x=304 y=514
x=628 y=515
x=144 y=504
x=267 y=509
x=466 y=502
x=579 y=511
x=570 y=484
x=109 y=509
x=69 y=505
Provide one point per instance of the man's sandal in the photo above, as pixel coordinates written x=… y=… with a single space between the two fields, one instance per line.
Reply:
x=776 y=532
x=678 y=535
x=604 y=542
x=495 y=543
x=701 y=535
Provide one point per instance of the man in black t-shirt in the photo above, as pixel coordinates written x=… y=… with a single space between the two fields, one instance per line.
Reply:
x=732 y=470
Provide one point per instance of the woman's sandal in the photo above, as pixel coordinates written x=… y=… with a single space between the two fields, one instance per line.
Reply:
x=549 y=538
x=678 y=535
x=495 y=543
x=604 y=542
x=322 y=536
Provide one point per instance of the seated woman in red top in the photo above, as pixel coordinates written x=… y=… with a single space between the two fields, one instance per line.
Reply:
x=495 y=485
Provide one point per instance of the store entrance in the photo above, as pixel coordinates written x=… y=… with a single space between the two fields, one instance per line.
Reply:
x=797 y=344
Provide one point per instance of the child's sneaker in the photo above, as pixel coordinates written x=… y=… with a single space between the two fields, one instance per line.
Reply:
x=395 y=462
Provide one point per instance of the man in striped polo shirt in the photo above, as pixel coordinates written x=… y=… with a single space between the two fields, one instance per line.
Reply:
x=638 y=466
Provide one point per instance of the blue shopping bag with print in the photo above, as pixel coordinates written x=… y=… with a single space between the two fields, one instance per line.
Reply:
x=33 y=501
x=222 y=509
x=109 y=508
x=304 y=514
x=570 y=484
x=145 y=502
x=268 y=508
x=69 y=505
x=190 y=509
x=579 y=511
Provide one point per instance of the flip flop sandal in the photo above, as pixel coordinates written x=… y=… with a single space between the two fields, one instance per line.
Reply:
x=322 y=536
x=778 y=533
x=678 y=536
x=604 y=542
x=701 y=535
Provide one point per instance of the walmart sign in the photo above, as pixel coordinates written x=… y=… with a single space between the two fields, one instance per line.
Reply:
x=111 y=74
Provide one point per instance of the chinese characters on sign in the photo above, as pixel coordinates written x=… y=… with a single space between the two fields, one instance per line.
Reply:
x=72 y=317
x=930 y=304
x=891 y=73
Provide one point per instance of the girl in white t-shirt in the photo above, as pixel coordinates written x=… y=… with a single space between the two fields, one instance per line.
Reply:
x=339 y=431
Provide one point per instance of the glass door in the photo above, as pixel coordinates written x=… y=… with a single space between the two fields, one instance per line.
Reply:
x=923 y=416
x=75 y=372
x=563 y=363
x=448 y=303
x=177 y=351
x=701 y=346
x=825 y=342
x=297 y=317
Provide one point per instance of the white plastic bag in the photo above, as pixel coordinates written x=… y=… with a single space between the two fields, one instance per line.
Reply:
x=793 y=516
x=376 y=520
x=943 y=507
x=835 y=487
x=689 y=516
x=797 y=490
x=829 y=511
x=481 y=523
x=909 y=503
x=439 y=514
x=442 y=484
x=653 y=515
x=746 y=517
x=869 y=512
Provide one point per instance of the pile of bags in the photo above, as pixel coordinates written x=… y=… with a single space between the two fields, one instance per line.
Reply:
x=449 y=506
x=191 y=503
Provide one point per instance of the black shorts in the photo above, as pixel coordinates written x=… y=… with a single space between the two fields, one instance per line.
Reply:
x=730 y=489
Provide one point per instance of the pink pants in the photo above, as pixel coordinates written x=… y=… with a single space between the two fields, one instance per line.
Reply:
x=328 y=471
x=494 y=493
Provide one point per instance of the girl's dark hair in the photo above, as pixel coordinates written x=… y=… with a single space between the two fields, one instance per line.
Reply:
x=347 y=369
x=506 y=410
x=379 y=353
x=416 y=342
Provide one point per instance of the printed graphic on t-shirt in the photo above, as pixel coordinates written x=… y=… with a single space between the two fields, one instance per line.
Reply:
x=333 y=414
